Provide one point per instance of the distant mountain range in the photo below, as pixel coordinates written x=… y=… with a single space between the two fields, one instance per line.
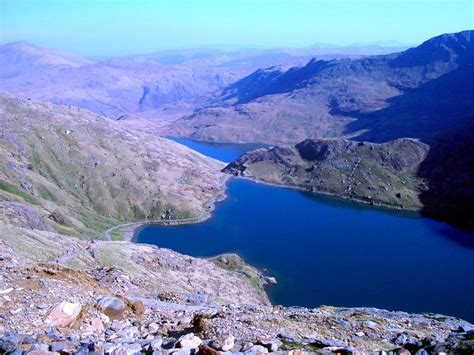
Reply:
x=111 y=87
x=141 y=84
x=419 y=93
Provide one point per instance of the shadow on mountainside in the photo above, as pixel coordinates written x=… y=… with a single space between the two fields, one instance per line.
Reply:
x=425 y=112
x=449 y=171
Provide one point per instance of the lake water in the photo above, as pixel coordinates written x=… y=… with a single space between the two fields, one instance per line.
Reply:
x=326 y=251
x=224 y=152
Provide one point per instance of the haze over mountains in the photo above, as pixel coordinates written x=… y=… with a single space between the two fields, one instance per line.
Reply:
x=417 y=93
x=112 y=87
x=143 y=83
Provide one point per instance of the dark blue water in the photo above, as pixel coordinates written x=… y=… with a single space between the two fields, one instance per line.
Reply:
x=224 y=152
x=326 y=251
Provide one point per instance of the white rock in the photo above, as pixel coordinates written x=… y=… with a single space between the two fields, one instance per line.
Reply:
x=189 y=341
x=370 y=324
x=257 y=349
x=128 y=349
x=64 y=314
x=228 y=343
x=153 y=328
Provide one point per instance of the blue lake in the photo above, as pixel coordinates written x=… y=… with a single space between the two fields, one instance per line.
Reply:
x=224 y=152
x=326 y=251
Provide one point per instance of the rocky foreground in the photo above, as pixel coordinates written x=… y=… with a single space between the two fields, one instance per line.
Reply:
x=67 y=296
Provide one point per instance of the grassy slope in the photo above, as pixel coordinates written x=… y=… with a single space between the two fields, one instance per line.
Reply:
x=85 y=173
x=375 y=173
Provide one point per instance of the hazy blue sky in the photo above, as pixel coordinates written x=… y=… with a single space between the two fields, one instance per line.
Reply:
x=115 y=27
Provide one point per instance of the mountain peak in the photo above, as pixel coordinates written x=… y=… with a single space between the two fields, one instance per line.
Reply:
x=447 y=47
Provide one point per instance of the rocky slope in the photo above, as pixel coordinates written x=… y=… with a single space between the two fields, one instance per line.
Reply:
x=64 y=295
x=383 y=174
x=418 y=93
x=438 y=179
x=85 y=172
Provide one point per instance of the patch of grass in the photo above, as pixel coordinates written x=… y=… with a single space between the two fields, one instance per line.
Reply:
x=116 y=234
x=234 y=263
x=40 y=165
x=111 y=256
x=46 y=194
x=29 y=247
x=77 y=264
x=291 y=345
x=14 y=190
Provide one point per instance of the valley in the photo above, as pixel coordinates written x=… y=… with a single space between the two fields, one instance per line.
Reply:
x=143 y=206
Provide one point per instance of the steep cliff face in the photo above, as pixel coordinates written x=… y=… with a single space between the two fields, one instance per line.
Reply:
x=374 y=173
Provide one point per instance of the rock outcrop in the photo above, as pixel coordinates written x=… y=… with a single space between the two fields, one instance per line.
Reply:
x=64 y=314
x=383 y=174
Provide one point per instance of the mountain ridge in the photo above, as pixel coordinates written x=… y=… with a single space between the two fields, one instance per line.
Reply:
x=327 y=99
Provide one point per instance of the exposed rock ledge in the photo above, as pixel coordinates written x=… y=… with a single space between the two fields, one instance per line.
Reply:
x=63 y=295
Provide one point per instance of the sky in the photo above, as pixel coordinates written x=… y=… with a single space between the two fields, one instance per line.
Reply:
x=121 y=27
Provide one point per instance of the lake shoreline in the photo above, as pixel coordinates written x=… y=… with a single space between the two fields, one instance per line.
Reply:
x=129 y=230
x=377 y=205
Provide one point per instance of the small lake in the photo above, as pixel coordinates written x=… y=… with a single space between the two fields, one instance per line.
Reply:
x=326 y=251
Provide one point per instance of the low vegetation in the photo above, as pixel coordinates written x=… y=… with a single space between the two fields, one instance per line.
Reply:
x=381 y=174
x=85 y=173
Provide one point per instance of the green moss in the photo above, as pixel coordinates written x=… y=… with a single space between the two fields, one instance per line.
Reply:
x=291 y=345
x=46 y=194
x=116 y=234
x=14 y=190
